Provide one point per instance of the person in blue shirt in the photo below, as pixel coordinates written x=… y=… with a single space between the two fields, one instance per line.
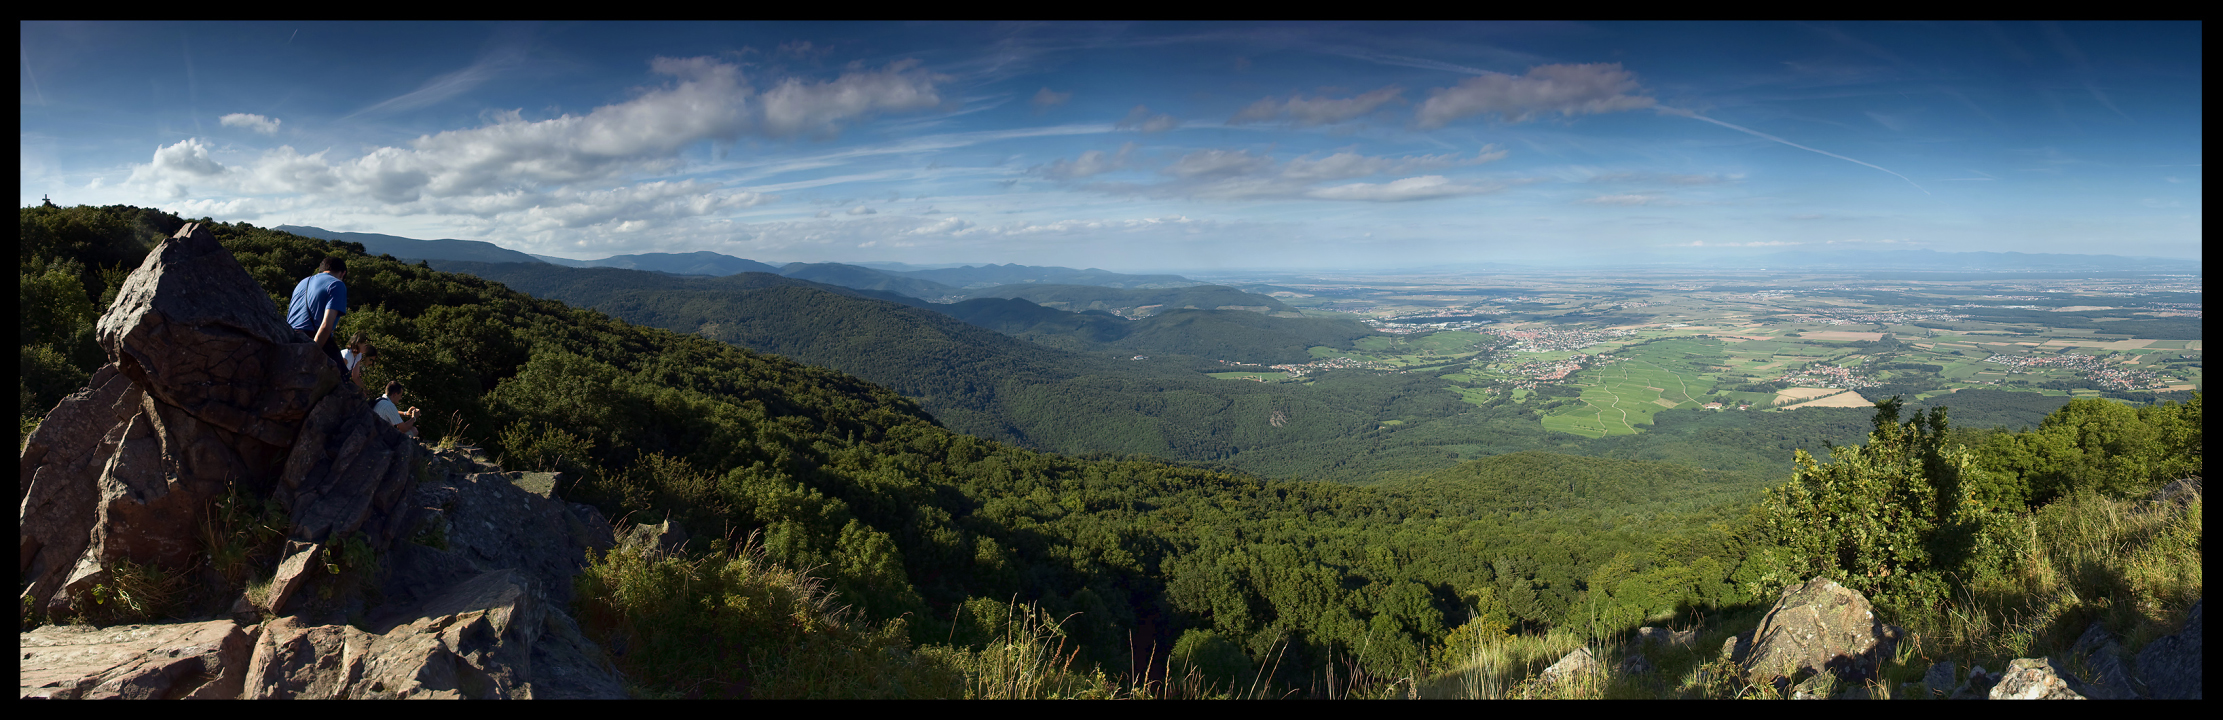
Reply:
x=318 y=302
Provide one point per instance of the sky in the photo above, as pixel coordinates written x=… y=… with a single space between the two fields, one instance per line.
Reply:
x=1139 y=146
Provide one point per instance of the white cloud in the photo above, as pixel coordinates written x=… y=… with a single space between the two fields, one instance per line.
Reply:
x=708 y=101
x=824 y=214
x=1045 y=99
x=1620 y=200
x=1093 y=162
x=257 y=123
x=1305 y=112
x=1141 y=119
x=1424 y=187
x=1664 y=178
x=1565 y=89
x=1349 y=164
x=862 y=210
x=795 y=107
x=175 y=168
x=1218 y=163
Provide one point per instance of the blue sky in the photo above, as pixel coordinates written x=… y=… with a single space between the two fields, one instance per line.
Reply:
x=1139 y=146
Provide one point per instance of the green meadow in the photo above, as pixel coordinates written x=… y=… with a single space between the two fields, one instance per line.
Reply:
x=1620 y=396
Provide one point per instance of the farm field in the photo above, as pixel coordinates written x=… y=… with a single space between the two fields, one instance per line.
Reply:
x=1599 y=358
x=1620 y=397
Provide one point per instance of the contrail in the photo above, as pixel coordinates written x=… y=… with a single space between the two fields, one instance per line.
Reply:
x=1696 y=116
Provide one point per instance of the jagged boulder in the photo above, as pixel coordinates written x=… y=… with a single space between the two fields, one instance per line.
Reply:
x=2169 y=667
x=1573 y=665
x=1737 y=649
x=2032 y=679
x=1819 y=627
x=1937 y=682
x=468 y=522
x=665 y=536
x=2105 y=677
x=207 y=391
x=205 y=660
x=1663 y=637
x=1978 y=685
x=205 y=386
x=491 y=637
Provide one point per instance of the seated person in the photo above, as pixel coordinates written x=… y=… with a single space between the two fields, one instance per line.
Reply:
x=359 y=353
x=405 y=421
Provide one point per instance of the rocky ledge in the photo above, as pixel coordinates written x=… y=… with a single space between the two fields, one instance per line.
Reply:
x=206 y=393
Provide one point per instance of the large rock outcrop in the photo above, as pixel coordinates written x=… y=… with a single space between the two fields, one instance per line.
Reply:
x=205 y=660
x=2169 y=667
x=207 y=391
x=1819 y=627
x=205 y=387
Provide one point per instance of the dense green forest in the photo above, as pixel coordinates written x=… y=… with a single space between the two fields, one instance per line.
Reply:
x=933 y=536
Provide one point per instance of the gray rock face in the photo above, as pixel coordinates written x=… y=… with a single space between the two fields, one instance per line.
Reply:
x=2032 y=679
x=2169 y=667
x=665 y=536
x=138 y=662
x=1570 y=666
x=1737 y=649
x=205 y=386
x=1978 y=685
x=1663 y=637
x=1937 y=683
x=2105 y=677
x=489 y=521
x=1819 y=627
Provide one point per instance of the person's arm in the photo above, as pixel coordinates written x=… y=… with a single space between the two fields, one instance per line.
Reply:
x=324 y=331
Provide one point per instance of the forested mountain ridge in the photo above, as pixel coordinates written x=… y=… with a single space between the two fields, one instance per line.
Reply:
x=413 y=249
x=1076 y=400
x=863 y=278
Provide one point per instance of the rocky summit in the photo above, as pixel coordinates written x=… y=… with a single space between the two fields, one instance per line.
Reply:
x=207 y=393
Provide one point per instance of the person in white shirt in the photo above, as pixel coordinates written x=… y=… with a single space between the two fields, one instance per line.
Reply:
x=386 y=407
x=359 y=353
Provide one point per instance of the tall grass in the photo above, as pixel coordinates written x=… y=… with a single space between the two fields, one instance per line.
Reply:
x=2133 y=566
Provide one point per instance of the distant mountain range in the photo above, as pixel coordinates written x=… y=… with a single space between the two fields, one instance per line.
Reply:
x=908 y=280
x=412 y=249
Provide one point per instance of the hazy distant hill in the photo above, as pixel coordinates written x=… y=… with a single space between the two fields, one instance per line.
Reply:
x=411 y=249
x=992 y=275
x=694 y=263
x=851 y=276
x=1138 y=302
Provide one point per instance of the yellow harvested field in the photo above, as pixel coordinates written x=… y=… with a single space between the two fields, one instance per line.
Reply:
x=2186 y=386
x=1664 y=402
x=1848 y=399
x=2131 y=344
x=1792 y=395
x=1843 y=335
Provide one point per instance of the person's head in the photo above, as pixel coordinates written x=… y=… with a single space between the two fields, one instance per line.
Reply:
x=359 y=342
x=393 y=390
x=370 y=352
x=333 y=264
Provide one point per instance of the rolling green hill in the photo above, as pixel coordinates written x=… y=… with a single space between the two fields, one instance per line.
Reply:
x=985 y=383
x=862 y=278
